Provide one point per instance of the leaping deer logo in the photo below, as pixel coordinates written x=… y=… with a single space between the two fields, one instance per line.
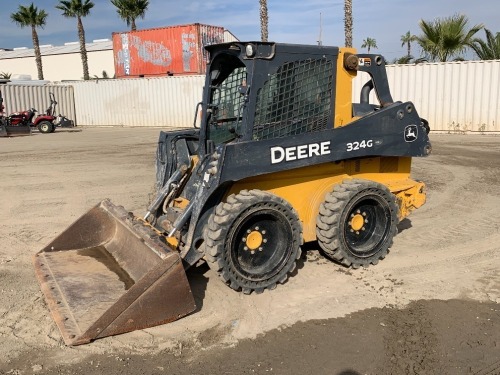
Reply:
x=410 y=133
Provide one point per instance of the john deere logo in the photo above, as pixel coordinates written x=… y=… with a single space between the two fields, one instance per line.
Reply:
x=411 y=133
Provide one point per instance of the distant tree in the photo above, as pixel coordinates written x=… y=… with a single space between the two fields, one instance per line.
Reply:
x=407 y=39
x=264 y=21
x=489 y=49
x=130 y=10
x=403 y=60
x=31 y=16
x=78 y=9
x=447 y=38
x=369 y=43
x=5 y=75
x=348 y=24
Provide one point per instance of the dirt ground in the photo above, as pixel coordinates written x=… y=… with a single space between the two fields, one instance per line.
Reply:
x=431 y=307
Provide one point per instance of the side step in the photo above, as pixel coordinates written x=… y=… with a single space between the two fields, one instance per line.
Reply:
x=108 y=273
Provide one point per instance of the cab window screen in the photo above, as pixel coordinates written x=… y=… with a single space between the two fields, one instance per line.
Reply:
x=296 y=99
x=227 y=106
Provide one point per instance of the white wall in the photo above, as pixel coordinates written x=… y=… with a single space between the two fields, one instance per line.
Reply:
x=156 y=101
x=21 y=97
x=61 y=67
x=454 y=96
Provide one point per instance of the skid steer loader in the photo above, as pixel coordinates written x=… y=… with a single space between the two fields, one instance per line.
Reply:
x=281 y=157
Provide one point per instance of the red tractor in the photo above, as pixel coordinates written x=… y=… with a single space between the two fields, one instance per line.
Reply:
x=8 y=130
x=46 y=122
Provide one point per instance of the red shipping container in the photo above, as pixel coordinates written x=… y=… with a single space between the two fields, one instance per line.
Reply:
x=177 y=50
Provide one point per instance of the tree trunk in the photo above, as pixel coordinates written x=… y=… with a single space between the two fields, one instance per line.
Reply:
x=38 y=55
x=409 y=49
x=132 y=25
x=348 y=22
x=83 y=50
x=264 y=20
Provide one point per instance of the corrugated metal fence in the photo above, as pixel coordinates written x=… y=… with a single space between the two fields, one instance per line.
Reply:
x=453 y=97
x=165 y=102
x=22 y=97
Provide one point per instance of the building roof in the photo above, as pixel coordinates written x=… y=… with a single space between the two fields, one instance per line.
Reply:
x=73 y=47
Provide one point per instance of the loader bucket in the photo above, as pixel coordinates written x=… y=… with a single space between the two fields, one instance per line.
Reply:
x=14 y=131
x=109 y=273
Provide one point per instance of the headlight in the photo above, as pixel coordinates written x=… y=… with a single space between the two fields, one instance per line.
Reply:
x=250 y=50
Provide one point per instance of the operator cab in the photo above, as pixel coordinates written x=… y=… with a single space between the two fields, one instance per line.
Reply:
x=257 y=91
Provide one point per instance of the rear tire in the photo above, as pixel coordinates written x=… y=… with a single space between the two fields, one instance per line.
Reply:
x=45 y=127
x=253 y=240
x=357 y=222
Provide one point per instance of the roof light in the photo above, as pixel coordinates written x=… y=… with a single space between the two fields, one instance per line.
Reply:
x=250 y=50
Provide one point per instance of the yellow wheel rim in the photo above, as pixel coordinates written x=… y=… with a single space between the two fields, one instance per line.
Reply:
x=357 y=222
x=254 y=240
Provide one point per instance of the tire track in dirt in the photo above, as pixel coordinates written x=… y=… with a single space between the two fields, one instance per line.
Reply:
x=411 y=340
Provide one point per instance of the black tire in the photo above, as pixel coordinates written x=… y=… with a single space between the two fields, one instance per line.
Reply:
x=45 y=127
x=357 y=222
x=253 y=241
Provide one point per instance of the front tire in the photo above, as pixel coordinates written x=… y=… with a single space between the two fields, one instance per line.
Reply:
x=357 y=222
x=253 y=240
x=45 y=127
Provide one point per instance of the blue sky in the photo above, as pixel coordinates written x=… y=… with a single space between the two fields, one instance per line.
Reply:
x=290 y=21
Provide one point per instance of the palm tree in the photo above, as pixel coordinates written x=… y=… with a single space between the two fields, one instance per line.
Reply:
x=407 y=39
x=264 y=20
x=446 y=39
x=78 y=9
x=369 y=43
x=489 y=50
x=31 y=16
x=130 y=10
x=406 y=59
x=348 y=22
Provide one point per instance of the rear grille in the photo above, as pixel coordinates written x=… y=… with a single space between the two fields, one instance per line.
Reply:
x=389 y=164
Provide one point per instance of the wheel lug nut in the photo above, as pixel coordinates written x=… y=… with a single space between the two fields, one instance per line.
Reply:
x=264 y=240
x=363 y=228
x=245 y=248
x=249 y=231
x=256 y=228
x=263 y=232
x=252 y=252
x=357 y=232
x=260 y=248
x=244 y=239
x=364 y=214
x=352 y=230
x=366 y=220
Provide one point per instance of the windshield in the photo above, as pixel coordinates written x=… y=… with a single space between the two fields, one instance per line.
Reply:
x=227 y=100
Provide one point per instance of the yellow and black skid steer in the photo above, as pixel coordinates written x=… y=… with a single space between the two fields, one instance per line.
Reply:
x=282 y=156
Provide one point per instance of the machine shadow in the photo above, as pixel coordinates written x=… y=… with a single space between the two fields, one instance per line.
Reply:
x=198 y=282
x=404 y=225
